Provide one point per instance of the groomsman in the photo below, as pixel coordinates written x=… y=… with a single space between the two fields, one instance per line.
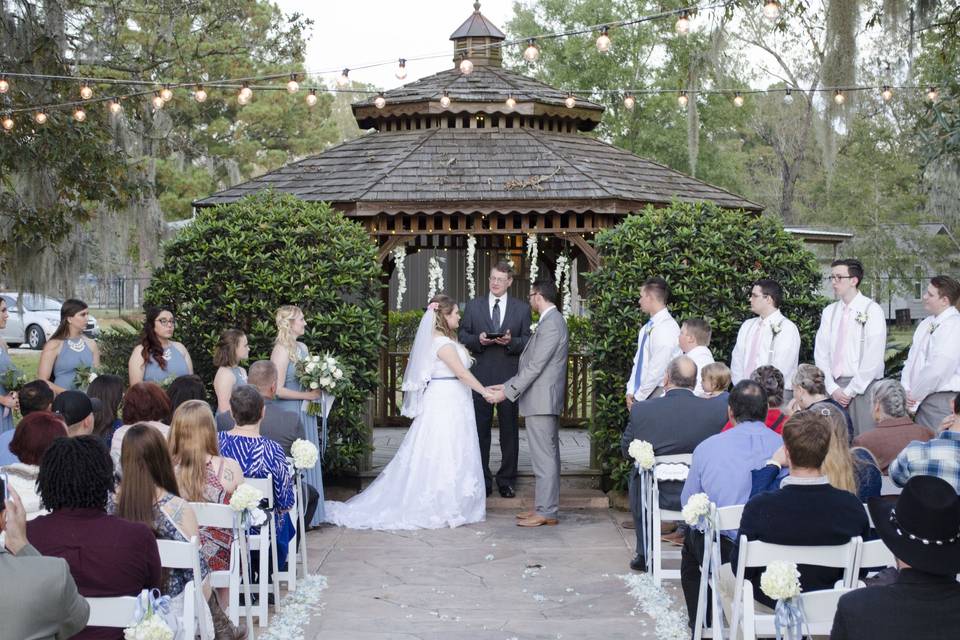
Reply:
x=496 y=328
x=768 y=339
x=931 y=375
x=657 y=343
x=695 y=344
x=850 y=344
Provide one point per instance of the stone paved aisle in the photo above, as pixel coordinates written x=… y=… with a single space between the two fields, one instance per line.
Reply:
x=490 y=580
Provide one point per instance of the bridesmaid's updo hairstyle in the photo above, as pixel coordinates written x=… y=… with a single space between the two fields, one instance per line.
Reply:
x=445 y=305
x=70 y=308
x=285 y=337
x=149 y=340
x=225 y=355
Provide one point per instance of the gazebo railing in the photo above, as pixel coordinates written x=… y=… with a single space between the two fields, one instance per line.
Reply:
x=578 y=408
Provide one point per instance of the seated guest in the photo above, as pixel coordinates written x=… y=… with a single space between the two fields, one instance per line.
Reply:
x=144 y=402
x=938 y=457
x=108 y=556
x=77 y=410
x=184 y=389
x=806 y=511
x=895 y=430
x=694 y=342
x=809 y=390
x=108 y=389
x=676 y=422
x=281 y=426
x=923 y=603
x=259 y=457
x=32 y=437
x=34 y=396
x=715 y=379
x=721 y=468
x=772 y=382
x=40 y=598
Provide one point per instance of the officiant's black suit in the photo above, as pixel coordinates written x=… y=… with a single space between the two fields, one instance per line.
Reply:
x=495 y=364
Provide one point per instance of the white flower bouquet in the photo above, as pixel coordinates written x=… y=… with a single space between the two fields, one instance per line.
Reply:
x=324 y=373
x=152 y=627
x=780 y=580
x=697 y=508
x=246 y=501
x=304 y=454
x=642 y=452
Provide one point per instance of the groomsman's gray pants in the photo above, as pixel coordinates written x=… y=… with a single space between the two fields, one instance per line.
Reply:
x=860 y=408
x=934 y=408
x=544 y=440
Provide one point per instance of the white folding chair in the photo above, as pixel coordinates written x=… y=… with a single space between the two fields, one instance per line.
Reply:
x=118 y=612
x=872 y=553
x=754 y=553
x=264 y=543
x=289 y=575
x=726 y=519
x=221 y=516
x=186 y=555
x=819 y=609
x=670 y=468
x=888 y=487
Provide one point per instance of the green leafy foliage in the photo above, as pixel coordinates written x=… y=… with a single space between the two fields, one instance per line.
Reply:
x=235 y=265
x=116 y=344
x=710 y=257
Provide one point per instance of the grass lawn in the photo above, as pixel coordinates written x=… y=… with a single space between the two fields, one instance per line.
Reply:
x=27 y=363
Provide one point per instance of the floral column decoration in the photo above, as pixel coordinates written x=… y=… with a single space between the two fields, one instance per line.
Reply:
x=471 y=266
x=399 y=257
x=532 y=252
x=562 y=278
x=435 y=276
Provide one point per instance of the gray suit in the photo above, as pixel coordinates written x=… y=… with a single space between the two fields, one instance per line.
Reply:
x=279 y=425
x=38 y=598
x=539 y=388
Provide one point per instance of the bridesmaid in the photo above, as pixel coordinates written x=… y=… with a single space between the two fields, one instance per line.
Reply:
x=232 y=349
x=158 y=357
x=7 y=400
x=68 y=349
x=287 y=350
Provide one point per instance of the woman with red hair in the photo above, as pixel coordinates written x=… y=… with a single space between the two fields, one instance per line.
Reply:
x=145 y=402
x=30 y=441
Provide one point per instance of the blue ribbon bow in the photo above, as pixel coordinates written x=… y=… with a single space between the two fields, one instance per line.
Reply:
x=788 y=617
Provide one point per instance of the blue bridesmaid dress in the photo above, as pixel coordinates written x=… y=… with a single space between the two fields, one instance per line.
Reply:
x=176 y=366
x=74 y=353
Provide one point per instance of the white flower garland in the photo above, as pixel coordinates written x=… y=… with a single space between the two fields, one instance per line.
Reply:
x=532 y=254
x=399 y=257
x=562 y=278
x=435 y=275
x=471 y=266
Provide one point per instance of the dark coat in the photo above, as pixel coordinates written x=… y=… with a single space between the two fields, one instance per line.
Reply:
x=495 y=364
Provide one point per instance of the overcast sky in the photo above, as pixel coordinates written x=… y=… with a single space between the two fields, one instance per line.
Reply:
x=352 y=34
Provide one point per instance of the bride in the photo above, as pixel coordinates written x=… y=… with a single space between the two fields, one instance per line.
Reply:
x=435 y=480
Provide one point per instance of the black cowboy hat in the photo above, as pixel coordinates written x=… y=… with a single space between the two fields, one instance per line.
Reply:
x=923 y=527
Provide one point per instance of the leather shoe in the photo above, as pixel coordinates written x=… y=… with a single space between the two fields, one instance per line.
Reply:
x=489 y=491
x=537 y=521
x=638 y=563
x=526 y=515
x=507 y=491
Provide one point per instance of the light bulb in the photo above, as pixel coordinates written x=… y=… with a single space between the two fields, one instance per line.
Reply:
x=7 y=123
x=292 y=85
x=166 y=93
x=886 y=93
x=85 y=91
x=246 y=92
x=603 y=41
x=571 y=102
x=788 y=96
x=445 y=100
x=933 y=94
x=4 y=85
x=466 y=67
x=401 y=69
x=380 y=102
x=532 y=52
x=738 y=100
x=157 y=101
x=838 y=97
x=344 y=78
x=115 y=106
x=629 y=102
x=511 y=102
x=200 y=94
x=79 y=115
x=312 y=98
x=771 y=10
x=40 y=117
x=683 y=24
x=682 y=99
x=243 y=99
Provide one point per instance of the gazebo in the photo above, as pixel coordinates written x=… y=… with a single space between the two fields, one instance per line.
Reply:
x=491 y=154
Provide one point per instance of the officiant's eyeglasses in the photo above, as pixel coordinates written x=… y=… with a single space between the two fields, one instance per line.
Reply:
x=835 y=278
x=533 y=293
x=499 y=279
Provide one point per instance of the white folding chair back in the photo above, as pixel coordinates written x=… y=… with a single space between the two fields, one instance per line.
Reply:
x=873 y=553
x=888 y=487
x=754 y=553
x=118 y=612
x=289 y=575
x=726 y=518
x=186 y=555
x=221 y=516
x=819 y=608
x=264 y=543
x=658 y=516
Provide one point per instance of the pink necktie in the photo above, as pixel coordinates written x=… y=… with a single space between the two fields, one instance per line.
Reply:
x=838 y=349
x=917 y=366
x=754 y=348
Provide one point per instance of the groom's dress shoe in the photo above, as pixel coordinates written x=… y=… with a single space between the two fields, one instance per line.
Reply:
x=537 y=521
x=526 y=515
x=638 y=563
x=489 y=491
x=507 y=491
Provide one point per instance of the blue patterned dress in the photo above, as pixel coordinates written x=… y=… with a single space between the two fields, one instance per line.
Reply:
x=258 y=458
x=73 y=355
x=167 y=530
x=313 y=477
x=6 y=414
x=176 y=366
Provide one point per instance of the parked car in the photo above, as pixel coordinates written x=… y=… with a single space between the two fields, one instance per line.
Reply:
x=34 y=319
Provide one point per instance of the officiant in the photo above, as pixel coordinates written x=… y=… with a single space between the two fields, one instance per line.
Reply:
x=496 y=328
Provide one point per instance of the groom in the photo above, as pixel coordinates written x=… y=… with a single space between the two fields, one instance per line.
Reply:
x=540 y=389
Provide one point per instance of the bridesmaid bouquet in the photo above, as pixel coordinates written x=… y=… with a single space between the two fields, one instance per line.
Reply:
x=324 y=373
x=83 y=376
x=12 y=379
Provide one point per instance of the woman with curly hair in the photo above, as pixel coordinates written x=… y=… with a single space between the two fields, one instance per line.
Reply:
x=158 y=357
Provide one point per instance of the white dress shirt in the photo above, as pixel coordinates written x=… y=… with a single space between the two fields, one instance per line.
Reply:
x=779 y=346
x=492 y=300
x=933 y=364
x=661 y=346
x=864 y=346
x=702 y=356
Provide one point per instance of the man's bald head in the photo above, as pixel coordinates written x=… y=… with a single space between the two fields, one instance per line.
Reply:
x=681 y=373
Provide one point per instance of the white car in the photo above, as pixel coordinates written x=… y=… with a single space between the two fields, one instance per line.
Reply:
x=35 y=319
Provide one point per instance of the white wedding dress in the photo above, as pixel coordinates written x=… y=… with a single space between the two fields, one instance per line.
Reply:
x=435 y=479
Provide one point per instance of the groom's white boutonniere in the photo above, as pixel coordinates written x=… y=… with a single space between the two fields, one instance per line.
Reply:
x=933 y=327
x=533 y=327
x=775 y=329
x=862 y=318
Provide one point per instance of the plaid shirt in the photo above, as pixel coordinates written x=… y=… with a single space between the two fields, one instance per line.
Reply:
x=939 y=457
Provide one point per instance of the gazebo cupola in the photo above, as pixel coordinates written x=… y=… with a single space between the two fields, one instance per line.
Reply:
x=478 y=40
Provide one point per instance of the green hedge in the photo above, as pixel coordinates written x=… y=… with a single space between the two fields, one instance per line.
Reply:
x=234 y=265
x=709 y=256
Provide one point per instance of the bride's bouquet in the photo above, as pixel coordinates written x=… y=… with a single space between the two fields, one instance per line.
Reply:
x=321 y=372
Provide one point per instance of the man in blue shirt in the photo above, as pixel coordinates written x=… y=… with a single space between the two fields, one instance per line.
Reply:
x=721 y=468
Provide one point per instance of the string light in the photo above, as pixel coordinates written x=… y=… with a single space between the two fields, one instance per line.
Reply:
x=738 y=100
x=312 y=98
x=788 y=96
x=166 y=93
x=682 y=25
x=629 y=102
x=4 y=84
x=292 y=85
x=40 y=117
x=466 y=67
x=571 y=102
x=344 y=78
x=603 y=40
x=445 y=100
x=200 y=94
x=886 y=93
x=114 y=106
x=933 y=94
x=85 y=91
x=79 y=115
x=682 y=99
x=401 y=69
x=511 y=102
x=7 y=122
x=532 y=52
x=157 y=101
x=838 y=97
x=245 y=92
x=380 y=101
x=771 y=10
